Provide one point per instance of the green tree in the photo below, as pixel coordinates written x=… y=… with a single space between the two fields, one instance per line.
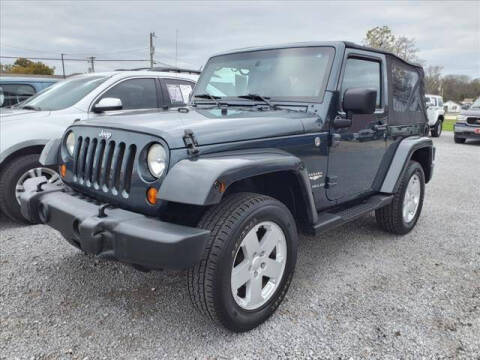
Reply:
x=26 y=66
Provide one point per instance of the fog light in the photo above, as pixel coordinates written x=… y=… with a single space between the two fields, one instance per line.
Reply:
x=152 y=195
x=477 y=131
x=63 y=170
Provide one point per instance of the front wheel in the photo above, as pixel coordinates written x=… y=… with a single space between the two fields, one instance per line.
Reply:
x=401 y=215
x=437 y=129
x=248 y=265
x=12 y=179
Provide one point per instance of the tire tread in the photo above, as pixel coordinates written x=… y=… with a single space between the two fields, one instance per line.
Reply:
x=220 y=221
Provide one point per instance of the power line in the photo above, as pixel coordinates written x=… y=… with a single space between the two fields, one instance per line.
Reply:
x=71 y=59
x=87 y=52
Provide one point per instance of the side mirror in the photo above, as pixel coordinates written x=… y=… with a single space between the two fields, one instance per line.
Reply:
x=108 y=104
x=359 y=101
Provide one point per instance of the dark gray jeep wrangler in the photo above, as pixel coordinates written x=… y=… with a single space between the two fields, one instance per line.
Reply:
x=278 y=139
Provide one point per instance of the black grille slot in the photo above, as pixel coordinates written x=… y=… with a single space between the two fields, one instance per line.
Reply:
x=117 y=166
x=473 y=120
x=89 y=162
x=104 y=165
x=107 y=166
x=127 y=168
x=97 y=164
x=82 y=157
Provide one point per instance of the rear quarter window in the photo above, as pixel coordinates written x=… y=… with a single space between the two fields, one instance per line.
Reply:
x=405 y=90
x=178 y=92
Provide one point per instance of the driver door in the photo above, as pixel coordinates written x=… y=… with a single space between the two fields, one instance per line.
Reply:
x=357 y=151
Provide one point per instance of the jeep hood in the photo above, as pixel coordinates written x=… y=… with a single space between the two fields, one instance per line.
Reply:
x=208 y=125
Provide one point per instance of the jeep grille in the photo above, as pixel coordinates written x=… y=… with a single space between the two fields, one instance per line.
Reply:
x=103 y=164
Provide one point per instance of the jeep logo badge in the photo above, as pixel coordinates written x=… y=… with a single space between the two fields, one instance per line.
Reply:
x=105 y=134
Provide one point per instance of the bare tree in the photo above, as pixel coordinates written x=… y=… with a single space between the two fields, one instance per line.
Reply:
x=383 y=38
x=433 y=80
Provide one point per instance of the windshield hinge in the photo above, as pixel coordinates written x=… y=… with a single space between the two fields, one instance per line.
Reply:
x=190 y=142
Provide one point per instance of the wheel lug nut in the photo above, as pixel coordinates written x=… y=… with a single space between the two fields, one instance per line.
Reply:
x=255 y=273
x=262 y=266
x=262 y=253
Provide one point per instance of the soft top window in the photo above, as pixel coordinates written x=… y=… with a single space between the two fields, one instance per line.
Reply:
x=404 y=86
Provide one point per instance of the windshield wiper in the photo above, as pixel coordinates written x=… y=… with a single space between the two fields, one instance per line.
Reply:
x=209 y=96
x=31 y=107
x=257 y=97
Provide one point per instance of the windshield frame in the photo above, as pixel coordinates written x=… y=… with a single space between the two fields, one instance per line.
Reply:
x=274 y=99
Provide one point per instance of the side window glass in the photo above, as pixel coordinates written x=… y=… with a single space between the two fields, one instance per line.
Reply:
x=135 y=94
x=404 y=82
x=15 y=93
x=361 y=73
x=178 y=91
x=440 y=102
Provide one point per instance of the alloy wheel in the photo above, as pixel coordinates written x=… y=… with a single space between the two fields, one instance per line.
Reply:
x=259 y=265
x=411 y=199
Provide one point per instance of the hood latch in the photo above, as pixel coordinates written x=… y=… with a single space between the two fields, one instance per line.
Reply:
x=190 y=142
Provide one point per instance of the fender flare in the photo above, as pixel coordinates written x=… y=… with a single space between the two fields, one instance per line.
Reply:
x=196 y=181
x=400 y=160
x=21 y=145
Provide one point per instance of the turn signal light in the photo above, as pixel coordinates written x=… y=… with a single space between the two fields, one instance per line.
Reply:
x=63 y=170
x=152 y=195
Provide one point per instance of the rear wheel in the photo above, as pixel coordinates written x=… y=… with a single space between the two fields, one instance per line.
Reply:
x=401 y=215
x=247 y=267
x=437 y=129
x=12 y=179
x=459 y=140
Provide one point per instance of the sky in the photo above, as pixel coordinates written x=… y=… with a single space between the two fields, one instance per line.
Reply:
x=447 y=33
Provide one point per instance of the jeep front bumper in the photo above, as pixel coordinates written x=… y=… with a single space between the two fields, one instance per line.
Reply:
x=116 y=234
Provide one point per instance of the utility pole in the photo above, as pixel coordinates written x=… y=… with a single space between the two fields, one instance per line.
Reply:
x=152 y=48
x=176 y=47
x=63 y=66
x=92 y=63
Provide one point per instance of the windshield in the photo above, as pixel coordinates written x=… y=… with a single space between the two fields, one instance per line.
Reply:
x=295 y=74
x=476 y=104
x=63 y=94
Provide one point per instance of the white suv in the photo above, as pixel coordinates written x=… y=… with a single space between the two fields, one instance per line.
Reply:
x=435 y=114
x=26 y=127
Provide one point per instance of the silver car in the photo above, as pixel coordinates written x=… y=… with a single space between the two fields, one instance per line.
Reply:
x=28 y=126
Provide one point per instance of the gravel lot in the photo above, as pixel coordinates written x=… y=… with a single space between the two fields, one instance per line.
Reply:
x=357 y=292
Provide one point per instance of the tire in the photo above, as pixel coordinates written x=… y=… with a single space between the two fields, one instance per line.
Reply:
x=391 y=217
x=9 y=177
x=437 y=129
x=210 y=281
x=459 y=140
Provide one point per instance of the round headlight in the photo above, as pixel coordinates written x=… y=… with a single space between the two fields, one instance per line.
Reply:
x=70 y=142
x=156 y=160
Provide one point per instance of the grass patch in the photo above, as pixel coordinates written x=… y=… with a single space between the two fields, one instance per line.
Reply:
x=448 y=124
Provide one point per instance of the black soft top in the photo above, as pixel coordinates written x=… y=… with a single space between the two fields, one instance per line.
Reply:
x=352 y=45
